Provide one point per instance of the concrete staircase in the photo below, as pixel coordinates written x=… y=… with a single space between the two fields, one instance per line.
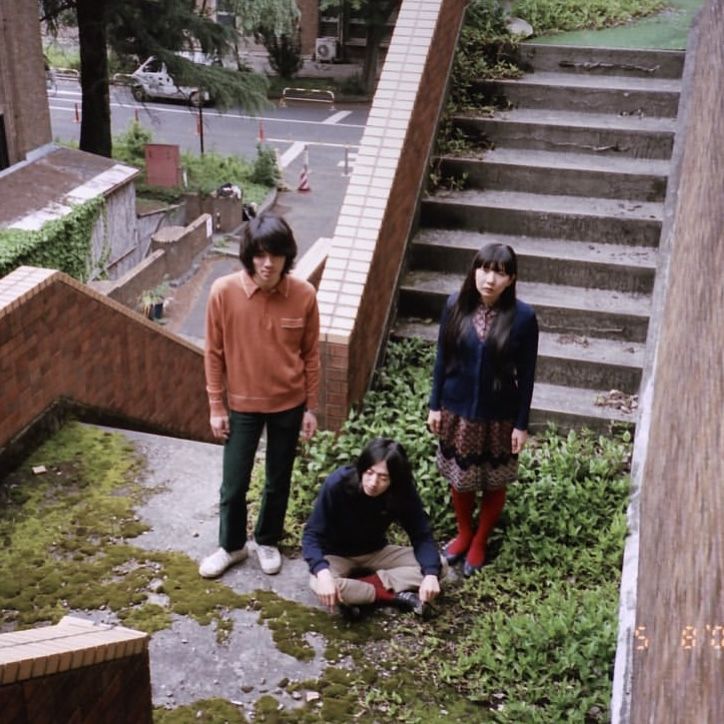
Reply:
x=573 y=176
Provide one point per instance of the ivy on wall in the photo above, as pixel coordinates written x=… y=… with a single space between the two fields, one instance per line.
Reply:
x=63 y=244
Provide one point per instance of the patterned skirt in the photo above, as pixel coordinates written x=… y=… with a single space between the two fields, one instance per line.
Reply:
x=475 y=454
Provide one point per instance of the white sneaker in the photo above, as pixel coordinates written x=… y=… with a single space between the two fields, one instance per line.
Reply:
x=214 y=565
x=270 y=559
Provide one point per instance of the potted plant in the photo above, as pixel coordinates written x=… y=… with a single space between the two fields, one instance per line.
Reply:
x=152 y=300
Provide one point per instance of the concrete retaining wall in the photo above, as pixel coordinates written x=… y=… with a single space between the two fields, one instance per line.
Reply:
x=669 y=665
x=174 y=249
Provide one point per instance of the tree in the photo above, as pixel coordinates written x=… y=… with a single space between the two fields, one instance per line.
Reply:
x=141 y=28
x=376 y=14
x=275 y=23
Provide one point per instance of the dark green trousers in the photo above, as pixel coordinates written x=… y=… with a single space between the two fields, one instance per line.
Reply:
x=282 y=435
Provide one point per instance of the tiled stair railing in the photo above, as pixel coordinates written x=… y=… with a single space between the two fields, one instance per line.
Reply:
x=367 y=251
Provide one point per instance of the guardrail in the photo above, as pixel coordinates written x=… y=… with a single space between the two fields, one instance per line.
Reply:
x=121 y=79
x=66 y=73
x=307 y=95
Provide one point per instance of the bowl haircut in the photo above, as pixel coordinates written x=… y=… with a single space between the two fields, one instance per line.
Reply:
x=267 y=233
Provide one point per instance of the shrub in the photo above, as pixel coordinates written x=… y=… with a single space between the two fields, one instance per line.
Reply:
x=265 y=170
x=285 y=52
x=130 y=147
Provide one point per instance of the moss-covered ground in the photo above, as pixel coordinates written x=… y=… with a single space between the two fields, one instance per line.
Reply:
x=530 y=640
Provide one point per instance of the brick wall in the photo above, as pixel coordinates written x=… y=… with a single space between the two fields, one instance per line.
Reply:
x=59 y=339
x=360 y=277
x=23 y=99
x=76 y=671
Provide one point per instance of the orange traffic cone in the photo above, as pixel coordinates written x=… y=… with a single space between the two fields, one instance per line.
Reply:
x=261 y=132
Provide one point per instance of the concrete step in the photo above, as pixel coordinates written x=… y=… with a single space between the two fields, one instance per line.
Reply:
x=564 y=359
x=604 y=94
x=561 y=309
x=569 y=407
x=551 y=261
x=570 y=174
x=601 y=61
x=577 y=218
x=597 y=134
x=556 y=402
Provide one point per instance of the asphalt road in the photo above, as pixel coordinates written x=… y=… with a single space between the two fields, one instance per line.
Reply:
x=329 y=136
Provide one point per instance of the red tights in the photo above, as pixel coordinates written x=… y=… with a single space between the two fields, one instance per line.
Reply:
x=467 y=539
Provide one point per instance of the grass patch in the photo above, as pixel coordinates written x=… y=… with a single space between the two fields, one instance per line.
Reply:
x=556 y=16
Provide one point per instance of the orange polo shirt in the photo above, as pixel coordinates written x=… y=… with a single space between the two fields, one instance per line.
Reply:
x=262 y=347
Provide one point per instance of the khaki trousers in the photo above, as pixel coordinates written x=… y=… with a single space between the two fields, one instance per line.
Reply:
x=396 y=567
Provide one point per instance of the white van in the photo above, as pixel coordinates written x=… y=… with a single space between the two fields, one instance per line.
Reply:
x=152 y=80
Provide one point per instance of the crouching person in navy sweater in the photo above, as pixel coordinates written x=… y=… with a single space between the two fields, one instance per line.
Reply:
x=345 y=545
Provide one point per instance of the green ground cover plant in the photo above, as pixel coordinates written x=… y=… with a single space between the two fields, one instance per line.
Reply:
x=554 y=16
x=63 y=244
x=531 y=639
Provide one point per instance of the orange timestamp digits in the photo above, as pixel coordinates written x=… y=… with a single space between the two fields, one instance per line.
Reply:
x=691 y=637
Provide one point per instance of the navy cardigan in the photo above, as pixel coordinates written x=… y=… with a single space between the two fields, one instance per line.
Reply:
x=465 y=388
x=347 y=522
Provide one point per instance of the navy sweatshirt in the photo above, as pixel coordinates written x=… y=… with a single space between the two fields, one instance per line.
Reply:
x=346 y=522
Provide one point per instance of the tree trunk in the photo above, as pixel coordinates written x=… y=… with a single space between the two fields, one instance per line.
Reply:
x=375 y=33
x=95 y=127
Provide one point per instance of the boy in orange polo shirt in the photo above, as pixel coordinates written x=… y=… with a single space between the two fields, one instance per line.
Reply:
x=262 y=364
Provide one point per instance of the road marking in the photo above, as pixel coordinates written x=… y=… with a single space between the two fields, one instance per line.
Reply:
x=291 y=153
x=211 y=114
x=314 y=143
x=337 y=117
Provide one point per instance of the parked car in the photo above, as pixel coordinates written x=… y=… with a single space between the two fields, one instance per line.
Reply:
x=152 y=80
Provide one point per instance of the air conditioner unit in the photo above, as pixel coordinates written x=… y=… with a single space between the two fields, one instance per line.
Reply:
x=325 y=49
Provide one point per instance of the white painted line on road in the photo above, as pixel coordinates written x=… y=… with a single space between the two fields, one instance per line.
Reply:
x=337 y=117
x=314 y=143
x=211 y=114
x=291 y=153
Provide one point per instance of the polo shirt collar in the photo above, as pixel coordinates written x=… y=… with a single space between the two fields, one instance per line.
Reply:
x=250 y=287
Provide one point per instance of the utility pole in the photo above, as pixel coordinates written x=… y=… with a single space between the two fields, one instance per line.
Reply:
x=201 y=127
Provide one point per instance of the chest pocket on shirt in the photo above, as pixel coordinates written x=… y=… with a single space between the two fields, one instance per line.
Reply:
x=292 y=328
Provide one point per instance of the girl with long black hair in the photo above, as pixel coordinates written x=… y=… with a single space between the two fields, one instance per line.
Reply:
x=481 y=395
x=345 y=545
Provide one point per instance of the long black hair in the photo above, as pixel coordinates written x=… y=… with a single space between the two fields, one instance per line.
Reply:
x=398 y=468
x=267 y=233
x=501 y=258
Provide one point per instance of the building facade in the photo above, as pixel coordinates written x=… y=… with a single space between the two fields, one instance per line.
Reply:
x=24 y=114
